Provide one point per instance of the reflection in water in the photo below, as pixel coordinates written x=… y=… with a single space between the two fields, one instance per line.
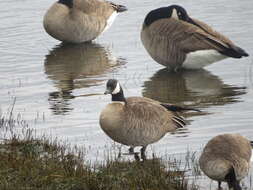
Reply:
x=72 y=67
x=196 y=88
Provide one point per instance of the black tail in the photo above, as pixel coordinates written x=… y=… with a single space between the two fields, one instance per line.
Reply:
x=230 y=50
x=251 y=142
x=174 y=108
x=235 y=52
x=118 y=8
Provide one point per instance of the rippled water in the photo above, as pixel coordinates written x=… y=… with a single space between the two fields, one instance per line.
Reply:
x=59 y=87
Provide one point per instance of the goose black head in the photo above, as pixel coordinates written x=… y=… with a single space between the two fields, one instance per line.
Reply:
x=113 y=87
x=173 y=11
x=178 y=12
x=68 y=3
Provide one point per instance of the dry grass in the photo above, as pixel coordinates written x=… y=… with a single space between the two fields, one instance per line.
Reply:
x=29 y=162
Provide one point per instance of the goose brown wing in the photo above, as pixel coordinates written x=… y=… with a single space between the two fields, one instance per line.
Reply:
x=212 y=32
x=150 y=112
x=94 y=7
x=183 y=35
x=207 y=38
x=188 y=37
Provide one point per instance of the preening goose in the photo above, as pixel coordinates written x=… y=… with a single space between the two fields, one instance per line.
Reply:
x=137 y=121
x=78 y=21
x=175 y=40
x=226 y=158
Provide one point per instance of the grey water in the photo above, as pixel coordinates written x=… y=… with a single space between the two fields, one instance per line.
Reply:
x=59 y=88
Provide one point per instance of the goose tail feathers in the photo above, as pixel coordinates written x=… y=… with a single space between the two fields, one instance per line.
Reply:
x=118 y=8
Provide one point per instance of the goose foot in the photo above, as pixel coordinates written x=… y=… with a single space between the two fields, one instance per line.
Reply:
x=143 y=156
x=131 y=151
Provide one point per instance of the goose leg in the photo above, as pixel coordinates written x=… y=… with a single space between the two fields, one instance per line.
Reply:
x=136 y=157
x=119 y=154
x=143 y=156
x=219 y=185
x=136 y=154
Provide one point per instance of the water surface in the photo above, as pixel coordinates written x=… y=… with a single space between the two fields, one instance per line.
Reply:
x=59 y=88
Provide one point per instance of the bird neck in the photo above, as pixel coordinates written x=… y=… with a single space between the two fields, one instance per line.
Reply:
x=68 y=3
x=233 y=183
x=119 y=96
x=155 y=15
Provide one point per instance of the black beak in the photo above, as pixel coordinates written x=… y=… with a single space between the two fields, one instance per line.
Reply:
x=121 y=8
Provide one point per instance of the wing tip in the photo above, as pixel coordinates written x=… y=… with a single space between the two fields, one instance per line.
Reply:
x=178 y=121
x=175 y=108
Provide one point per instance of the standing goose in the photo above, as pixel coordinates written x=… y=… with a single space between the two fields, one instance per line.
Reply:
x=137 y=121
x=175 y=40
x=226 y=158
x=78 y=21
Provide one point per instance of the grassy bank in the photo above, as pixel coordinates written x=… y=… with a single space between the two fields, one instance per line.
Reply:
x=29 y=162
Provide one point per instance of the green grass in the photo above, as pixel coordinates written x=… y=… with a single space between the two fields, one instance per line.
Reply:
x=29 y=162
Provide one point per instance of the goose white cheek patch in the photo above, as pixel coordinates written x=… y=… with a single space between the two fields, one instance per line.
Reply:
x=117 y=89
x=174 y=14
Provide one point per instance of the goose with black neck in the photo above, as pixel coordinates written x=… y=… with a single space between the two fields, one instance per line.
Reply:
x=138 y=121
x=176 y=40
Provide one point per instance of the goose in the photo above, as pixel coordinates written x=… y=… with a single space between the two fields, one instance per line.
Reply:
x=226 y=158
x=77 y=21
x=175 y=40
x=137 y=121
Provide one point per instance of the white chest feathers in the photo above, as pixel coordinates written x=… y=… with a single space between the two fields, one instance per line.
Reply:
x=202 y=58
x=110 y=20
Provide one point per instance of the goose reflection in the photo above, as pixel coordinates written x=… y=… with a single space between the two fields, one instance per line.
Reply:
x=199 y=89
x=72 y=66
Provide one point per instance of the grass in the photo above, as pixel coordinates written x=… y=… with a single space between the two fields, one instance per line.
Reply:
x=30 y=162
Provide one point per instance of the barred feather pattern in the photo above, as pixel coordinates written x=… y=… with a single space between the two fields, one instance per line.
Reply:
x=138 y=122
x=169 y=40
x=224 y=152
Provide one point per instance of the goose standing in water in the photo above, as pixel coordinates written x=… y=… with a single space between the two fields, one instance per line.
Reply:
x=175 y=40
x=137 y=121
x=78 y=21
x=227 y=158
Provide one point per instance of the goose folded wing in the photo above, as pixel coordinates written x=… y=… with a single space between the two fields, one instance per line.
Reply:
x=200 y=36
x=153 y=114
